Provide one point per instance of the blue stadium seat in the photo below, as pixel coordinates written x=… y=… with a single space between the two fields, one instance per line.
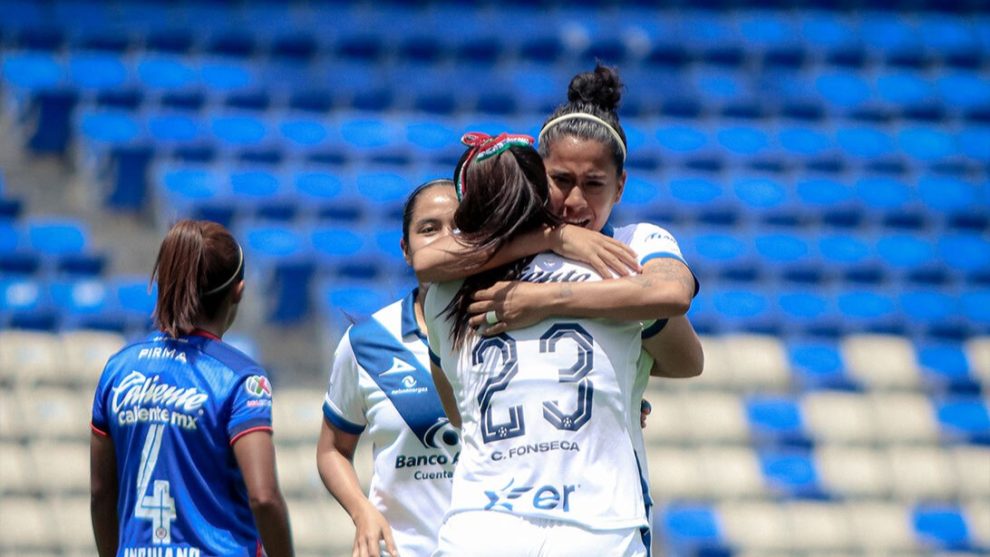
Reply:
x=246 y=134
x=712 y=251
x=865 y=143
x=946 y=368
x=745 y=308
x=927 y=144
x=961 y=203
x=940 y=527
x=385 y=247
x=692 y=529
x=640 y=198
x=870 y=311
x=890 y=202
x=967 y=254
x=343 y=253
x=744 y=142
x=973 y=141
x=366 y=136
x=791 y=473
x=843 y=90
x=86 y=304
x=789 y=255
x=834 y=201
x=324 y=195
x=434 y=138
x=776 y=421
x=225 y=76
x=768 y=198
x=950 y=38
x=964 y=92
x=308 y=136
x=16 y=258
x=25 y=304
x=905 y=90
x=136 y=299
x=817 y=363
x=810 y=311
x=704 y=198
x=193 y=191
x=343 y=302
x=932 y=312
x=174 y=130
x=65 y=244
x=385 y=192
x=975 y=304
x=103 y=129
x=964 y=418
x=849 y=257
x=892 y=37
x=282 y=255
x=97 y=72
x=31 y=71
x=260 y=192
x=772 y=33
x=831 y=32
x=911 y=256
x=162 y=74
x=805 y=141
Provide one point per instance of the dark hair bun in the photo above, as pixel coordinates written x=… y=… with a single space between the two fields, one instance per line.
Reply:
x=601 y=88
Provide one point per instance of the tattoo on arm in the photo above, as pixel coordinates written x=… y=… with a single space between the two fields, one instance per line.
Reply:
x=665 y=270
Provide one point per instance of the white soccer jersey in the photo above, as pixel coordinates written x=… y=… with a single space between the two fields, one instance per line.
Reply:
x=381 y=377
x=550 y=413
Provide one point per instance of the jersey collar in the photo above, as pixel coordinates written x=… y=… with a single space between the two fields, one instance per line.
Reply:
x=608 y=230
x=409 y=325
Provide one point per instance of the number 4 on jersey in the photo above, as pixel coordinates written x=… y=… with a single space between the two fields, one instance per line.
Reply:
x=158 y=506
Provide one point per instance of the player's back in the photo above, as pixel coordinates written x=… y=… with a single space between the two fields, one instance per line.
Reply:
x=173 y=408
x=546 y=413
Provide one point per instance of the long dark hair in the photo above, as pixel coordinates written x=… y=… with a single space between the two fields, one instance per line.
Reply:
x=198 y=263
x=597 y=93
x=502 y=197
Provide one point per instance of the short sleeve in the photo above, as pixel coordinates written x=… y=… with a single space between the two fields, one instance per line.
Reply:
x=344 y=404
x=100 y=420
x=651 y=242
x=251 y=406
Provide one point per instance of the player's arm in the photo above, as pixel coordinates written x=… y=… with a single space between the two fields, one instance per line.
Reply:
x=448 y=259
x=255 y=454
x=446 y=393
x=335 y=462
x=676 y=350
x=663 y=290
x=103 y=493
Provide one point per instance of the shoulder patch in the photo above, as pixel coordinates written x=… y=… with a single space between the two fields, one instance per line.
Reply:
x=258 y=386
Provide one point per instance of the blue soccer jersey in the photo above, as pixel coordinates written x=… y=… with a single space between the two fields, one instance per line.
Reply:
x=174 y=408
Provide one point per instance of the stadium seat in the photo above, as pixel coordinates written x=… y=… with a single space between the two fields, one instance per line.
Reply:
x=959 y=203
x=789 y=255
x=776 y=420
x=309 y=531
x=967 y=254
x=666 y=427
x=86 y=353
x=971 y=463
x=791 y=473
x=297 y=413
x=840 y=418
x=705 y=199
x=343 y=253
x=136 y=298
x=904 y=418
x=712 y=251
x=343 y=303
x=933 y=313
x=86 y=304
x=56 y=413
x=927 y=145
x=742 y=308
x=945 y=368
x=904 y=90
x=29 y=357
x=27 y=524
x=854 y=472
x=896 y=370
x=922 y=473
x=731 y=473
x=941 y=527
x=75 y=529
x=849 y=257
x=963 y=92
x=386 y=192
x=890 y=202
x=833 y=202
x=24 y=303
x=978 y=353
x=17 y=469
x=818 y=526
x=676 y=474
x=64 y=243
x=768 y=199
x=324 y=195
x=964 y=418
x=817 y=363
x=282 y=256
x=297 y=474
x=881 y=526
x=691 y=528
x=714 y=417
x=67 y=474
x=808 y=312
x=759 y=526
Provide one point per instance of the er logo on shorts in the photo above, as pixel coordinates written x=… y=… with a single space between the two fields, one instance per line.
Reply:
x=547 y=497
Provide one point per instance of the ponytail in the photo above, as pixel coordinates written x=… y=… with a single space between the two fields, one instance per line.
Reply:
x=199 y=262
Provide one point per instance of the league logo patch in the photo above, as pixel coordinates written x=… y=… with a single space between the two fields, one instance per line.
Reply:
x=258 y=386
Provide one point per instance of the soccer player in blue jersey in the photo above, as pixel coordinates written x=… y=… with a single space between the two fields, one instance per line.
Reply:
x=569 y=483
x=182 y=459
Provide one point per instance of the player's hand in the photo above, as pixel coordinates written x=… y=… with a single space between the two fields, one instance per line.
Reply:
x=645 y=408
x=607 y=256
x=371 y=528
x=516 y=305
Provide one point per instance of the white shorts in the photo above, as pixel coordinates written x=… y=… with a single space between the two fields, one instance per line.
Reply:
x=499 y=534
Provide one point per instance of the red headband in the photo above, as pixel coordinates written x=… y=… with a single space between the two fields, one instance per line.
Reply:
x=484 y=146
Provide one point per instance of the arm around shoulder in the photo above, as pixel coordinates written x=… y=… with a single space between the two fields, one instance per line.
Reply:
x=676 y=350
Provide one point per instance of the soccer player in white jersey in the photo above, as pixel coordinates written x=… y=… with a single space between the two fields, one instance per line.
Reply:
x=548 y=464
x=182 y=456
x=583 y=147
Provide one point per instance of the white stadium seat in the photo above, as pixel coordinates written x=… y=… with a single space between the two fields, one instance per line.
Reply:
x=839 y=417
x=57 y=413
x=75 y=531
x=17 y=471
x=972 y=466
x=26 y=525
x=715 y=417
x=757 y=362
x=756 y=526
x=667 y=422
x=978 y=354
x=922 y=473
x=297 y=414
x=676 y=474
x=818 y=526
x=86 y=353
x=29 y=357
x=732 y=472
x=882 y=361
x=904 y=418
x=63 y=466
x=882 y=527
x=854 y=472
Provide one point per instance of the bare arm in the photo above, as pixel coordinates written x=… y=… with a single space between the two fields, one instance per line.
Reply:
x=665 y=289
x=446 y=393
x=676 y=350
x=255 y=454
x=447 y=259
x=103 y=494
x=335 y=461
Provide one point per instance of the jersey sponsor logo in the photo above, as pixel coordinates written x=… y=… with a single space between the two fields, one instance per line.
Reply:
x=139 y=398
x=159 y=551
x=398 y=367
x=159 y=353
x=662 y=236
x=535 y=448
x=258 y=386
x=539 y=275
x=545 y=497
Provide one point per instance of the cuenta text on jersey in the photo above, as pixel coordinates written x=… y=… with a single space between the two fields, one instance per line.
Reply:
x=545 y=447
